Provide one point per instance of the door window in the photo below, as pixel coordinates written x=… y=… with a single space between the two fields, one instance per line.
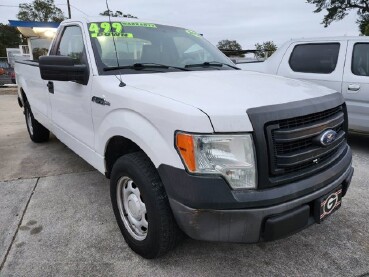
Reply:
x=71 y=45
x=360 y=59
x=320 y=58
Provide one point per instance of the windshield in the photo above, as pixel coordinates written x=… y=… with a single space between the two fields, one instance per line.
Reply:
x=147 y=43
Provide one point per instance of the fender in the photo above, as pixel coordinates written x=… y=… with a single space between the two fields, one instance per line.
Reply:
x=132 y=125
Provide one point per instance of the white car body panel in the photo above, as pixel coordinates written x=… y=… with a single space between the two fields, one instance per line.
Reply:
x=226 y=95
x=147 y=119
x=29 y=79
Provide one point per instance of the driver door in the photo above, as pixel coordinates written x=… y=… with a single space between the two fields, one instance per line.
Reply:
x=71 y=101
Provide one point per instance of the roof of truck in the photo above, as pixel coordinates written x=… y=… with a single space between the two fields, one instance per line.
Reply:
x=339 y=38
x=115 y=19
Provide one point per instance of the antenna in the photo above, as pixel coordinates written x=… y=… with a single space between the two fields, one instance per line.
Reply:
x=121 y=84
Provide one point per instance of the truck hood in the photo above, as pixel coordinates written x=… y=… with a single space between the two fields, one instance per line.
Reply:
x=225 y=96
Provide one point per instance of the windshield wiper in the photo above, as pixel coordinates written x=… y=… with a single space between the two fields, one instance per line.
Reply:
x=140 y=66
x=208 y=64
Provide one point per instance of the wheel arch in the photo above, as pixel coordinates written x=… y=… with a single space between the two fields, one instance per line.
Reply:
x=126 y=131
x=22 y=97
x=116 y=147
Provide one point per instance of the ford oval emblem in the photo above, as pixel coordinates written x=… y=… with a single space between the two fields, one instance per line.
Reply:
x=328 y=137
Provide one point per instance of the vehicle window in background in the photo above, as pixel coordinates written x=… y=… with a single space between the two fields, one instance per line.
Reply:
x=4 y=64
x=71 y=45
x=150 y=43
x=40 y=47
x=360 y=59
x=190 y=52
x=320 y=58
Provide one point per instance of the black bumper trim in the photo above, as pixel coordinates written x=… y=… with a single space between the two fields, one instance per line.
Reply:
x=213 y=192
x=251 y=225
x=277 y=227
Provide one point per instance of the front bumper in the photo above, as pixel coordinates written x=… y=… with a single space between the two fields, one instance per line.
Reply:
x=213 y=214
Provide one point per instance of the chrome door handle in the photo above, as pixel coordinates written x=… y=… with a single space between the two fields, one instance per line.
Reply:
x=354 y=87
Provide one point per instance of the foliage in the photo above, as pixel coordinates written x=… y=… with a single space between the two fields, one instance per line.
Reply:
x=9 y=38
x=38 y=52
x=40 y=10
x=363 y=23
x=117 y=14
x=227 y=44
x=338 y=9
x=265 y=49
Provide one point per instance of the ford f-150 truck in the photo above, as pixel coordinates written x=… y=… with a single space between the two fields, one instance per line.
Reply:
x=339 y=63
x=191 y=144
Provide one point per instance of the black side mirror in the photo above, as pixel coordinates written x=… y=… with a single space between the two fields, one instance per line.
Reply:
x=62 y=68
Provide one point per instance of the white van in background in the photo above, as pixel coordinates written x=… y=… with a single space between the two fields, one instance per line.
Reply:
x=339 y=63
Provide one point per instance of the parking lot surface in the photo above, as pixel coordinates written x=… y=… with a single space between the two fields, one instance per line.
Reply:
x=56 y=219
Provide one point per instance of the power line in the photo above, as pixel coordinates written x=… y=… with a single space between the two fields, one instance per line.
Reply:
x=74 y=7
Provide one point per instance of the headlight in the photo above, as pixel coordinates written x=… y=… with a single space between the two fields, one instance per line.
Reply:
x=231 y=156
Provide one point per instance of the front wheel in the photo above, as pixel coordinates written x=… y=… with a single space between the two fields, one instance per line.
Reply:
x=141 y=207
x=37 y=132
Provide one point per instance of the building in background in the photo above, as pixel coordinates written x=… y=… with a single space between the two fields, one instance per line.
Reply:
x=39 y=36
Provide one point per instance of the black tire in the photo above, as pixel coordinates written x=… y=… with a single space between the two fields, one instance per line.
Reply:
x=37 y=132
x=163 y=233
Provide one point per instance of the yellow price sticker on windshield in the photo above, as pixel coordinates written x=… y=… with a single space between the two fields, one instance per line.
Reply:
x=193 y=33
x=107 y=29
x=138 y=24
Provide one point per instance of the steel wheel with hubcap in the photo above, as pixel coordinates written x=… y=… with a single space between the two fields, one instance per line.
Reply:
x=141 y=206
x=132 y=208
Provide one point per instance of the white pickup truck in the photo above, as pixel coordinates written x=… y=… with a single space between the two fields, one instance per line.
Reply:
x=339 y=63
x=191 y=144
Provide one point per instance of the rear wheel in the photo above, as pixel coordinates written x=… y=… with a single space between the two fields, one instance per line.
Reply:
x=141 y=207
x=37 y=132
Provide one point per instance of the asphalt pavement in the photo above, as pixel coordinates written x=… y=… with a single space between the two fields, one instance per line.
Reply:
x=56 y=220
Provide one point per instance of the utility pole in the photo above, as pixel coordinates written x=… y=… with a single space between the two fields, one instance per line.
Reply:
x=69 y=13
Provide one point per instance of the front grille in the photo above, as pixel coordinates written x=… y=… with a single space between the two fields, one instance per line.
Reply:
x=293 y=147
x=308 y=119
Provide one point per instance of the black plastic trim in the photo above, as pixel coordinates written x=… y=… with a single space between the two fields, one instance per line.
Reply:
x=213 y=192
x=314 y=129
x=280 y=226
x=252 y=225
x=260 y=116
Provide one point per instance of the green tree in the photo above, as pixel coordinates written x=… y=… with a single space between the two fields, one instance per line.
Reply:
x=338 y=9
x=230 y=45
x=265 y=49
x=363 y=22
x=10 y=37
x=117 y=14
x=40 y=10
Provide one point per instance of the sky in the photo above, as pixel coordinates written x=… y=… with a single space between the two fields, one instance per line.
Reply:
x=247 y=21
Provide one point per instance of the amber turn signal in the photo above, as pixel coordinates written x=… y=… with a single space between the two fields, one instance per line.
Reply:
x=185 y=146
